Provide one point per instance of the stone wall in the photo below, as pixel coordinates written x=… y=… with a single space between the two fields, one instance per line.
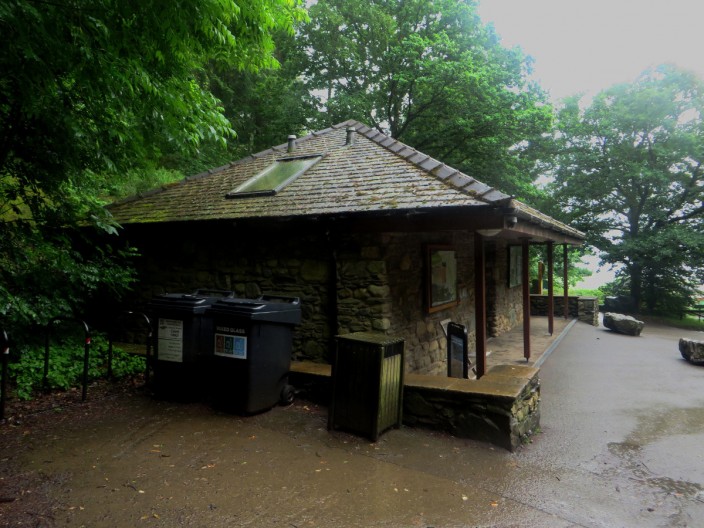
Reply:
x=585 y=309
x=588 y=310
x=381 y=286
x=502 y=408
x=250 y=264
x=347 y=283
x=362 y=284
x=504 y=304
x=422 y=331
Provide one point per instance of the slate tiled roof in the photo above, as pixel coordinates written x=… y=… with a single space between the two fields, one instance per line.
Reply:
x=374 y=173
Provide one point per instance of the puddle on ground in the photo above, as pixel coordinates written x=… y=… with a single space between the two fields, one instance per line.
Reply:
x=664 y=451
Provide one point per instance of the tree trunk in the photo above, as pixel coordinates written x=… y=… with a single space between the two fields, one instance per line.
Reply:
x=636 y=273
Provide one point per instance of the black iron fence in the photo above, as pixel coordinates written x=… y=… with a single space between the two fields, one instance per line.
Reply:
x=139 y=327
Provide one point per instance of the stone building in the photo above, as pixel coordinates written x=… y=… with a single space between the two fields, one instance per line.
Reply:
x=368 y=232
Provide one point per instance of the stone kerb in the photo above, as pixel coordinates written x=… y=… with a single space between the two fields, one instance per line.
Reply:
x=623 y=324
x=692 y=350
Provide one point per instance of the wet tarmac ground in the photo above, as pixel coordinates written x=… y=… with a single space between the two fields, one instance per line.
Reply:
x=621 y=446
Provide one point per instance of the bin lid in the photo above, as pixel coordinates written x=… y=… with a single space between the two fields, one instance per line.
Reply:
x=186 y=302
x=374 y=338
x=283 y=310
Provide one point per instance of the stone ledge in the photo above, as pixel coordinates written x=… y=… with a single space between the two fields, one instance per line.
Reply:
x=502 y=408
x=498 y=384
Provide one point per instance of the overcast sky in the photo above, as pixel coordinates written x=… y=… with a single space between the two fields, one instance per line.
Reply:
x=589 y=45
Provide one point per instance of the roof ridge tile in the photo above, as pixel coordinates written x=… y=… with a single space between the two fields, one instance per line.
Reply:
x=258 y=155
x=429 y=164
x=345 y=124
x=443 y=171
x=407 y=152
x=418 y=158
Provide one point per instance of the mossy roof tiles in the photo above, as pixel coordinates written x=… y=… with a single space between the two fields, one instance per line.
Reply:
x=374 y=173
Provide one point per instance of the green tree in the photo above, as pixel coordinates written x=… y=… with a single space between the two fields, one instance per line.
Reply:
x=266 y=106
x=431 y=74
x=629 y=173
x=91 y=90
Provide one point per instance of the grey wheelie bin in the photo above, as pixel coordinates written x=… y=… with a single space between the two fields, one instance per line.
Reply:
x=250 y=356
x=182 y=335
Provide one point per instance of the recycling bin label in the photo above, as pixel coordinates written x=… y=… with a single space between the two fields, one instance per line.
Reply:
x=230 y=342
x=170 y=340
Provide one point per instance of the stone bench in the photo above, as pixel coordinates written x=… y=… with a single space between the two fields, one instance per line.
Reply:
x=502 y=408
x=692 y=350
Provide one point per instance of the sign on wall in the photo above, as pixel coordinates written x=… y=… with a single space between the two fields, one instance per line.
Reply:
x=515 y=266
x=441 y=278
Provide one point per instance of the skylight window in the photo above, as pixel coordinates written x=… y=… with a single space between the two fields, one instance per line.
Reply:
x=275 y=177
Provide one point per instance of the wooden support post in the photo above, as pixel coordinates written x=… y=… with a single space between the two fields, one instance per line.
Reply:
x=525 y=279
x=551 y=299
x=480 y=302
x=566 y=307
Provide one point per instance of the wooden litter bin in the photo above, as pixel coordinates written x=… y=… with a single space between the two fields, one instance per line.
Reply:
x=367 y=384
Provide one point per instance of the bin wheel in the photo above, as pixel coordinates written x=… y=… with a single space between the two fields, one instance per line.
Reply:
x=288 y=394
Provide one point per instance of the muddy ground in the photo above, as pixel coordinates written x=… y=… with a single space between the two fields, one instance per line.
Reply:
x=622 y=428
x=25 y=495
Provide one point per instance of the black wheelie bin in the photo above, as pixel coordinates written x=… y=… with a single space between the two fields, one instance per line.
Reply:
x=250 y=355
x=182 y=335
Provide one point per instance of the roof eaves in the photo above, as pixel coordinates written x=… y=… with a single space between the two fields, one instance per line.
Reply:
x=494 y=195
x=535 y=216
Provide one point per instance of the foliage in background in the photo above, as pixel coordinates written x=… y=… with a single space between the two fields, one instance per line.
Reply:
x=629 y=173
x=431 y=74
x=576 y=271
x=53 y=271
x=25 y=375
x=428 y=73
x=92 y=92
x=266 y=106
x=138 y=181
